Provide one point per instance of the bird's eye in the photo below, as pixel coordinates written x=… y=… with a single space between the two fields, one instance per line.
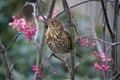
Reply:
x=52 y=21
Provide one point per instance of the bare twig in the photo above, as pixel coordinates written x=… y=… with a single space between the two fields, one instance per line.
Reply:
x=73 y=7
x=51 y=8
x=80 y=3
x=112 y=44
x=11 y=68
x=36 y=35
x=49 y=15
x=100 y=40
x=13 y=41
x=8 y=72
x=116 y=76
x=106 y=19
x=94 y=32
x=39 y=9
x=105 y=74
x=73 y=49
x=96 y=23
x=114 y=53
x=34 y=5
x=5 y=62
x=41 y=14
x=42 y=38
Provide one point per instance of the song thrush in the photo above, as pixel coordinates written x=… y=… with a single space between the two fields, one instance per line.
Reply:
x=57 y=38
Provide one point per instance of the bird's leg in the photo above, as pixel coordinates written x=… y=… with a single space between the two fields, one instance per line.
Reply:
x=78 y=55
x=50 y=55
x=53 y=54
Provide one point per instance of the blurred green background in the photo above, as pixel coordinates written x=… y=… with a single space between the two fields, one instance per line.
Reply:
x=23 y=52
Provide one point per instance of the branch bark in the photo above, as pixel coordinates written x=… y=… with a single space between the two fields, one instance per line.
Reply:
x=5 y=62
x=105 y=74
x=106 y=19
x=73 y=46
x=114 y=39
x=42 y=38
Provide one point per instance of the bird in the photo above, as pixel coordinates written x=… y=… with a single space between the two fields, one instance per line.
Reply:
x=57 y=37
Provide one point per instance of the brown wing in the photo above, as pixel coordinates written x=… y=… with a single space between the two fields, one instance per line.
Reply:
x=69 y=38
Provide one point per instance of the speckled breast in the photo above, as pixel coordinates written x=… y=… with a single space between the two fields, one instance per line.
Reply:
x=58 y=41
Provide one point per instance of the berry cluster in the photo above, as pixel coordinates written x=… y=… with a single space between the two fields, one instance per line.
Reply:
x=20 y=24
x=85 y=42
x=40 y=71
x=104 y=59
x=37 y=71
x=101 y=67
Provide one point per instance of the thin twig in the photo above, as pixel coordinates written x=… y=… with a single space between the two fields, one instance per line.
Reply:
x=13 y=41
x=42 y=38
x=94 y=32
x=73 y=49
x=11 y=68
x=96 y=23
x=114 y=52
x=34 y=5
x=39 y=9
x=41 y=14
x=5 y=61
x=80 y=3
x=112 y=44
x=109 y=43
x=77 y=31
x=49 y=15
x=106 y=19
x=105 y=75
x=116 y=76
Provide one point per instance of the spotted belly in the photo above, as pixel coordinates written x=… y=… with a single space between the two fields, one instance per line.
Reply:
x=58 y=47
x=58 y=41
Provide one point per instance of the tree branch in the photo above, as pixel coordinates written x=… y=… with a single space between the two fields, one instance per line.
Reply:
x=106 y=19
x=5 y=62
x=13 y=41
x=114 y=40
x=73 y=48
x=94 y=32
x=49 y=15
x=42 y=38
x=116 y=76
x=80 y=3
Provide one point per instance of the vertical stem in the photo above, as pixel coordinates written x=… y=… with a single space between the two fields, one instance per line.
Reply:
x=115 y=29
x=93 y=30
x=73 y=53
x=73 y=46
x=106 y=75
x=104 y=27
x=42 y=38
x=104 y=46
x=106 y=19
x=49 y=15
x=5 y=62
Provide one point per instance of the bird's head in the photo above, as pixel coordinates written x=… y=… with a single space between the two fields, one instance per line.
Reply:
x=54 y=23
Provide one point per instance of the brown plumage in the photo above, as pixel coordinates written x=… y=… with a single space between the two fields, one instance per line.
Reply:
x=57 y=38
